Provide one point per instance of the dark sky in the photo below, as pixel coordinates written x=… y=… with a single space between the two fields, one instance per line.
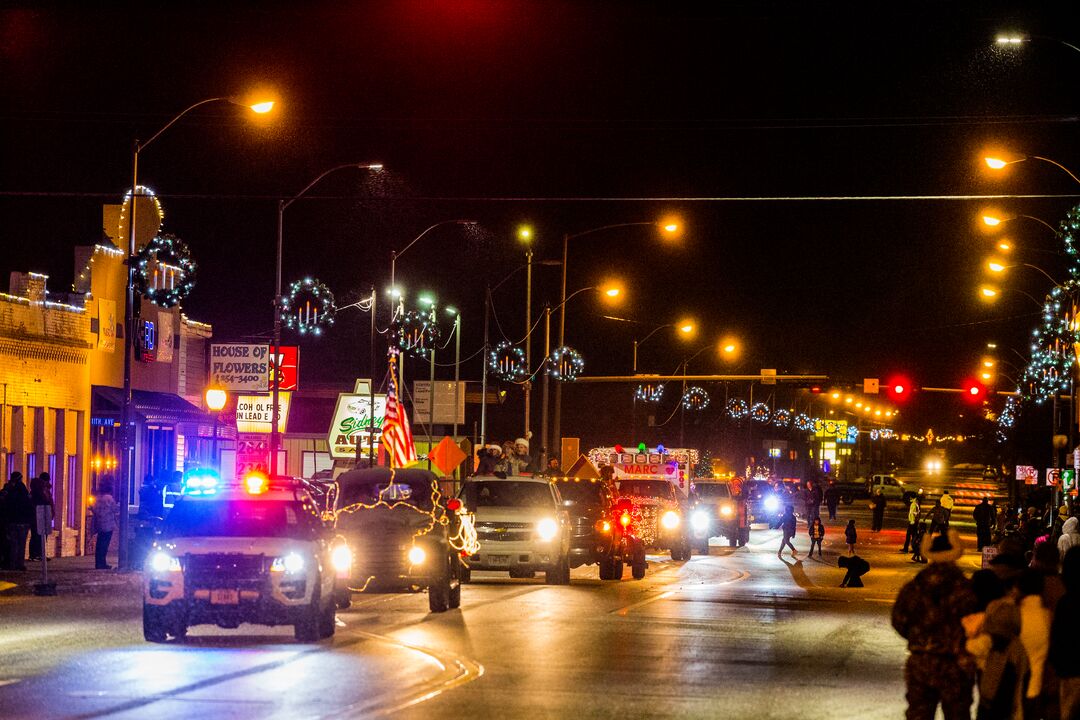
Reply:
x=568 y=115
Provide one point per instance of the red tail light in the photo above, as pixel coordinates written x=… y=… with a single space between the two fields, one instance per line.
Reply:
x=453 y=504
x=624 y=519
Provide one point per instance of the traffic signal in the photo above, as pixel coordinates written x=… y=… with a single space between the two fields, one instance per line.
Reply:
x=815 y=389
x=898 y=388
x=974 y=391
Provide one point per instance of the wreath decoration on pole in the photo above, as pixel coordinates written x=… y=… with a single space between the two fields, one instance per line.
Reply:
x=760 y=412
x=649 y=393
x=308 y=307
x=565 y=364
x=507 y=363
x=695 y=398
x=164 y=271
x=416 y=332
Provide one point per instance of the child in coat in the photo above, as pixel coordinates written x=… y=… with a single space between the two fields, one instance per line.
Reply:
x=817 y=534
x=850 y=536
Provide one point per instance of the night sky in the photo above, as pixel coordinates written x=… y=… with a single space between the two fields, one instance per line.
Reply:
x=568 y=116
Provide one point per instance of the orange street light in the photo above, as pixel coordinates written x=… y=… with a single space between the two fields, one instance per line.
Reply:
x=216 y=398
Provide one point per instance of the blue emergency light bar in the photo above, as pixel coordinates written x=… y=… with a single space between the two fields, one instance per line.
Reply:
x=201 y=481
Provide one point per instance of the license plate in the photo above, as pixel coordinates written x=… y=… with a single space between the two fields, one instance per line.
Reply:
x=224 y=597
x=499 y=560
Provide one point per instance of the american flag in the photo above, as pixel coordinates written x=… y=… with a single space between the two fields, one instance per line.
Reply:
x=396 y=435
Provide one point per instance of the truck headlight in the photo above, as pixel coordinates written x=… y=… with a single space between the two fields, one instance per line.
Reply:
x=726 y=510
x=417 y=555
x=290 y=564
x=163 y=562
x=547 y=529
x=772 y=503
x=670 y=520
x=341 y=558
x=700 y=520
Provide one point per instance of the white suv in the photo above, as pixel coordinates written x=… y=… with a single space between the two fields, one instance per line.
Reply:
x=521 y=525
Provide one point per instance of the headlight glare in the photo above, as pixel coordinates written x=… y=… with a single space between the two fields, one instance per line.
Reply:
x=417 y=555
x=162 y=562
x=727 y=510
x=341 y=558
x=547 y=529
x=670 y=520
x=700 y=520
x=291 y=563
x=772 y=503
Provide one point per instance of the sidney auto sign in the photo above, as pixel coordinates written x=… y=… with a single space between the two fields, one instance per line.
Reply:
x=352 y=424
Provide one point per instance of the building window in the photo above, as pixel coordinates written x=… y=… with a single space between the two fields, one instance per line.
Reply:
x=31 y=466
x=312 y=462
x=74 y=492
x=52 y=468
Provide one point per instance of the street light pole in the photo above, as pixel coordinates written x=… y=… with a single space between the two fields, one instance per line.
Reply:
x=484 y=371
x=544 y=393
x=275 y=437
x=528 y=334
x=127 y=442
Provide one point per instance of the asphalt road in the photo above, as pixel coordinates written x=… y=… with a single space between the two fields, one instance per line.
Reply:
x=736 y=634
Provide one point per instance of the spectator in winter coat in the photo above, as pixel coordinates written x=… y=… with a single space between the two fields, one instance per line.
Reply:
x=832 y=499
x=878 y=505
x=40 y=494
x=1034 y=637
x=983 y=515
x=18 y=517
x=106 y=513
x=938 y=523
x=788 y=524
x=817 y=534
x=1070 y=537
x=1064 y=656
x=1002 y=682
x=928 y=613
x=912 y=522
x=850 y=536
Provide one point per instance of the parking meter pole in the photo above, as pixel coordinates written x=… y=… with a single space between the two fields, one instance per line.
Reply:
x=43 y=521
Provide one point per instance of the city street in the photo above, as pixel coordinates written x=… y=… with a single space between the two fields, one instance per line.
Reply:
x=736 y=632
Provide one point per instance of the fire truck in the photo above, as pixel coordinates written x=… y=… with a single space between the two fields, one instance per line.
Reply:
x=656 y=482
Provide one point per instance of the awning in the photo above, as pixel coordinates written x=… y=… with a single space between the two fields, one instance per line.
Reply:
x=108 y=402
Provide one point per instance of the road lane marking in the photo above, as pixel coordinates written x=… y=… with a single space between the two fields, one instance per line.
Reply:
x=624 y=611
x=9 y=681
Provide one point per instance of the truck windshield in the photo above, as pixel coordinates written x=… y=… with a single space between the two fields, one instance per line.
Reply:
x=647 y=488
x=581 y=493
x=240 y=518
x=712 y=491
x=506 y=493
x=415 y=492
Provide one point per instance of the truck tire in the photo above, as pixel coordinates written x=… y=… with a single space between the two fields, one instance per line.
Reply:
x=638 y=562
x=464 y=573
x=153 y=624
x=343 y=598
x=328 y=621
x=617 y=568
x=439 y=592
x=455 y=582
x=605 y=567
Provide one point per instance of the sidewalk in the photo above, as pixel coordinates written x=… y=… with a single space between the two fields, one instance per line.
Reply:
x=72 y=575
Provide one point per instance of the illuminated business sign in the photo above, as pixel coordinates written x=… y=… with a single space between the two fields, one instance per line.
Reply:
x=246 y=368
x=255 y=413
x=352 y=424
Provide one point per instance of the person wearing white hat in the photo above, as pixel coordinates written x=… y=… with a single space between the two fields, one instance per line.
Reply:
x=520 y=461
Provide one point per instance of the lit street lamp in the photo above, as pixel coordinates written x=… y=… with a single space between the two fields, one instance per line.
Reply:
x=275 y=437
x=215 y=398
x=996 y=266
x=685 y=329
x=127 y=446
x=1000 y=163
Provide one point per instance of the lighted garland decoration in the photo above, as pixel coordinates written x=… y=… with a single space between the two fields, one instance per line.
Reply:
x=803 y=422
x=308 y=307
x=737 y=408
x=649 y=393
x=507 y=363
x=164 y=271
x=415 y=332
x=695 y=398
x=760 y=412
x=565 y=364
x=852 y=433
x=781 y=418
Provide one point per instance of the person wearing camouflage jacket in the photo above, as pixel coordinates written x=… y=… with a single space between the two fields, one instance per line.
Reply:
x=927 y=614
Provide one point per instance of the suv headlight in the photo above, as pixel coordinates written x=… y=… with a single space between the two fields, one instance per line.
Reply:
x=417 y=555
x=670 y=520
x=700 y=520
x=727 y=510
x=290 y=564
x=341 y=558
x=547 y=529
x=163 y=562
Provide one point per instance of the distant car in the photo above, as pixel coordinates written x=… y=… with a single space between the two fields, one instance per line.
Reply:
x=713 y=513
x=522 y=526
x=764 y=504
x=231 y=554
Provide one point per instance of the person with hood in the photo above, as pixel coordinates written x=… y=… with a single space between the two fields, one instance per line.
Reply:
x=18 y=517
x=1065 y=628
x=106 y=519
x=788 y=524
x=1070 y=537
x=928 y=614
x=983 y=515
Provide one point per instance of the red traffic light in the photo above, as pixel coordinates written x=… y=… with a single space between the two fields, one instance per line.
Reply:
x=898 y=388
x=974 y=391
x=815 y=389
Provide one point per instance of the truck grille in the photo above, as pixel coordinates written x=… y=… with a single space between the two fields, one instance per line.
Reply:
x=504 y=531
x=225 y=571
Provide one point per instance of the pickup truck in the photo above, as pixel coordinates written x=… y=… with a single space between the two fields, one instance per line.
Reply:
x=890 y=487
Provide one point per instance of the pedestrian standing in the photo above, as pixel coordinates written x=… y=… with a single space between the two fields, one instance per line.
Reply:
x=832 y=498
x=937 y=518
x=18 y=514
x=983 y=515
x=814 y=496
x=106 y=513
x=817 y=534
x=788 y=524
x=4 y=544
x=928 y=613
x=40 y=496
x=1070 y=537
x=947 y=503
x=912 y=523
x=850 y=536
x=1064 y=630
x=879 y=511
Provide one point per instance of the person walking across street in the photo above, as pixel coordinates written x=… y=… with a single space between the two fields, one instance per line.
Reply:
x=879 y=511
x=832 y=498
x=947 y=503
x=40 y=495
x=850 y=536
x=788 y=524
x=817 y=534
x=814 y=496
x=18 y=516
x=106 y=512
x=928 y=614
x=983 y=514
x=937 y=518
x=912 y=523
